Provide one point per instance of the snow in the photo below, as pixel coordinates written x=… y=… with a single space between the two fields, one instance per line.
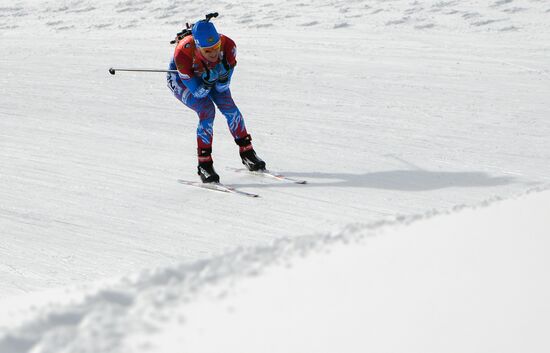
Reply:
x=393 y=111
x=473 y=279
x=424 y=288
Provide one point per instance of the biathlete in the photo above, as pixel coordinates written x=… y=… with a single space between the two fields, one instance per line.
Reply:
x=205 y=62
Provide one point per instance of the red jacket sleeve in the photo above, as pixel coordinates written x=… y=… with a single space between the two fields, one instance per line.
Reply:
x=183 y=57
x=229 y=50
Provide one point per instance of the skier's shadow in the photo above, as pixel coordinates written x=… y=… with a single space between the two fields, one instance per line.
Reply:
x=402 y=180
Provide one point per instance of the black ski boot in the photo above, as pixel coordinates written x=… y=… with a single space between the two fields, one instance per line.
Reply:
x=205 y=169
x=248 y=155
x=207 y=173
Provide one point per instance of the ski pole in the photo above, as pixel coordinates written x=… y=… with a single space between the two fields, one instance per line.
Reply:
x=112 y=70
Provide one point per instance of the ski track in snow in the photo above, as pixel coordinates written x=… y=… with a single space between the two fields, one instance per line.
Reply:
x=402 y=108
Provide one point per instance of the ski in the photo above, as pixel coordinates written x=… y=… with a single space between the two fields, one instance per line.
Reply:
x=219 y=187
x=269 y=174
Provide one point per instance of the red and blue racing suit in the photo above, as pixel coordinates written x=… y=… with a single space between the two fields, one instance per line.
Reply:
x=188 y=88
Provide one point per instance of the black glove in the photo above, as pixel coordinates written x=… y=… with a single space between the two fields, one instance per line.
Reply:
x=224 y=69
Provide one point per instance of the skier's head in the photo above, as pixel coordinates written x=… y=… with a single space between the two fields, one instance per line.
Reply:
x=205 y=34
x=207 y=40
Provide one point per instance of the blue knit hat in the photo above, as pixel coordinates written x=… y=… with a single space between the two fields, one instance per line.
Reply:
x=205 y=34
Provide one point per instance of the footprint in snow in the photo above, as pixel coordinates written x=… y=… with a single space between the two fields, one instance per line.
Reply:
x=307 y=24
x=397 y=22
x=515 y=10
x=509 y=29
x=53 y=23
x=501 y=2
x=341 y=25
x=485 y=23
x=425 y=26
x=443 y=4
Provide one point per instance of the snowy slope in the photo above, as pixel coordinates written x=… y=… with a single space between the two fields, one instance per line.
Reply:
x=391 y=108
x=468 y=281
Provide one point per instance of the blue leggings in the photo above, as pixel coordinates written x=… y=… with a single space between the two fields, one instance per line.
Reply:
x=204 y=107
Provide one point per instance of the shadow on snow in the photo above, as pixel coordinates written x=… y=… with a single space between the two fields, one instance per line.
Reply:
x=404 y=180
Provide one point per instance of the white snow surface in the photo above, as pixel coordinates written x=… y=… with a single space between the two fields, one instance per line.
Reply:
x=469 y=281
x=393 y=111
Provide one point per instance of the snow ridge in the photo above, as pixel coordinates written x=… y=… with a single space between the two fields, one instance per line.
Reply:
x=111 y=316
